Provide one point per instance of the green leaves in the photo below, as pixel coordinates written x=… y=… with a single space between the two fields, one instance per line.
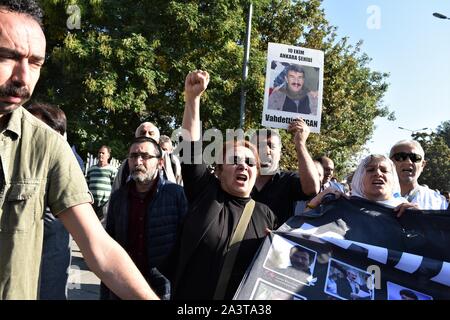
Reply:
x=128 y=62
x=436 y=173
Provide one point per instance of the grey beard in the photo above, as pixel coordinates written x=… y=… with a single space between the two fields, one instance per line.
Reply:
x=142 y=177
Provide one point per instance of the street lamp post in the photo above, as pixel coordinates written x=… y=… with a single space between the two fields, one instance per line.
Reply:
x=413 y=131
x=440 y=16
x=245 y=65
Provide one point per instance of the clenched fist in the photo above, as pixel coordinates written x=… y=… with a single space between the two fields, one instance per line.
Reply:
x=195 y=84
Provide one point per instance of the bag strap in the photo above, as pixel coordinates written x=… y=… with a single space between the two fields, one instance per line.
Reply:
x=233 y=249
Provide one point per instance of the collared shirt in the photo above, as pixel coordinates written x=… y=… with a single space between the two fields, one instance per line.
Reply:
x=38 y=169
x=137 y=245
x=427 y=199
x=333 y=184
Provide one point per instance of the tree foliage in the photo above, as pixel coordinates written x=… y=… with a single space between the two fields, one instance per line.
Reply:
x=128 y=61
x=437 y=154
x=443 y=130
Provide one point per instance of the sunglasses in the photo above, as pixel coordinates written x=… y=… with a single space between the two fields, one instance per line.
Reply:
x=238 y=160
x=402 y=156
x=143 y=155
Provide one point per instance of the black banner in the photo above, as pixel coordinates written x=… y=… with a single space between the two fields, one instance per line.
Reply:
x=354 y=250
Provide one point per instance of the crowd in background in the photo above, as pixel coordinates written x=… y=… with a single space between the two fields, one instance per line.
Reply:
x=171 y=229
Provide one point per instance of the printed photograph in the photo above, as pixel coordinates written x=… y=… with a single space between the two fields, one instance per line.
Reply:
x=268 y=291
x=398 y=292
x=347 y=282
x=291 y=260
x=294 y=88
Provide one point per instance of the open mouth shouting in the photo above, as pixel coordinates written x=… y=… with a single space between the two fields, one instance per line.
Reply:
x=408 y=171
x=241 y=178
x=378 y=182
x=238 y=175
x=266 y=164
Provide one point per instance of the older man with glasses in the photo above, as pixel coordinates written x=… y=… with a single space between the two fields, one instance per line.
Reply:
x=409 y=159
x=145 y=214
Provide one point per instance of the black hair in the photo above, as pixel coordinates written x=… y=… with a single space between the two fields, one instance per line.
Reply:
x=143 y=139
x=52 y=115
x=409 y=294
x=322 y=158
x=29 y=7
x=300 y=248
x=264 y=134
x=295 y=68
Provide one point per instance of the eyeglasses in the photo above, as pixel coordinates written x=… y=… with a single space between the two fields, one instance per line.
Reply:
x=238 y=160
x=143 y=155
x=402 y=156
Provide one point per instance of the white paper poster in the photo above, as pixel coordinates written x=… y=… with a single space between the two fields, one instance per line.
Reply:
x=294 y=86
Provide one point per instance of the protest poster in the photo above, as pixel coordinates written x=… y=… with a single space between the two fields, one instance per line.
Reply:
x=353 y=250
x=294 y=86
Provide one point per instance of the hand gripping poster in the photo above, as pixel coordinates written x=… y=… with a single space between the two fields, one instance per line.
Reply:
x=294 y=86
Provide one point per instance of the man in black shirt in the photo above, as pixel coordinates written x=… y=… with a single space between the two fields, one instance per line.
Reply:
x=279 y=190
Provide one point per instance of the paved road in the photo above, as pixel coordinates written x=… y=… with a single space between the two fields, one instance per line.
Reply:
x=83 y=284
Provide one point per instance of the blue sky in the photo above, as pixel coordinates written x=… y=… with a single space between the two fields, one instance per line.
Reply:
x=410 y=44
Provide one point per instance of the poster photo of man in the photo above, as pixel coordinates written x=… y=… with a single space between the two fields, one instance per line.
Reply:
x=268 y=291
x=347 y=282
x=294 y=86
x=398 y=292
x=291 y=260
x=294 y=89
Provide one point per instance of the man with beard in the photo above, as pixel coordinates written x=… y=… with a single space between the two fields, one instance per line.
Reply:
x=145 y=129
x=293 y=96
x=300 y=264
x=277 y=189
x=145 y=214
x=409 y=159
x=38 y=169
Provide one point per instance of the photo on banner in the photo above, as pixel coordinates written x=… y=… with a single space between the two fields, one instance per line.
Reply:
x=294 y=86
x=291 y=260
x=353 y=259
x=347 y=282
x=264 y=290
x=398 y=292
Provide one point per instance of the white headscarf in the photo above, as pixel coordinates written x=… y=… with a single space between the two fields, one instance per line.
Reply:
x=358 y=177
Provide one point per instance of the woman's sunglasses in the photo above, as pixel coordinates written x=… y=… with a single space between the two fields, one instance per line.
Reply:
x=238 y=160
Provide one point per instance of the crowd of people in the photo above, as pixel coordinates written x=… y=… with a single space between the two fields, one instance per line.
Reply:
x=171 y=229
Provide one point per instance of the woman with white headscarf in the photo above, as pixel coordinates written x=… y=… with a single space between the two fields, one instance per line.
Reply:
x=375 y=179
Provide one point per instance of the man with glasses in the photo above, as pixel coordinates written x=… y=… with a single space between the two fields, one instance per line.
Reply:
x=145 y=213
x=145 y=129
x=408 y=156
